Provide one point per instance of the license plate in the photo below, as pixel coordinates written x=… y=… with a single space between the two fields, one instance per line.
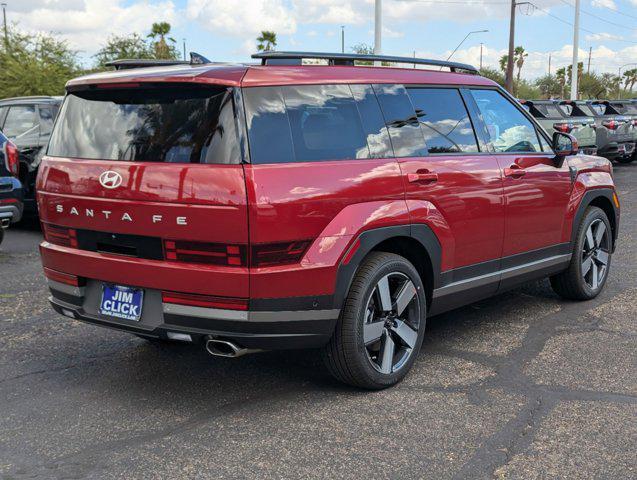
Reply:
x=122 y=302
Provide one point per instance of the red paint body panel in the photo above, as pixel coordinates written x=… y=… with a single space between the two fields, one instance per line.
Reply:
x=536 y=202
x=468 y=196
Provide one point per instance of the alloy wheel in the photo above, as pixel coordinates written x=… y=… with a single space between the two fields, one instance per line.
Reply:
x=595 y=254
x=392 y=320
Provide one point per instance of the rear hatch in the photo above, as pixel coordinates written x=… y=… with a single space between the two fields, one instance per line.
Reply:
x=149 y=175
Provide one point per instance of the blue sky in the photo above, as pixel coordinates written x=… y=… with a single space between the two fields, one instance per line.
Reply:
x=226 y=30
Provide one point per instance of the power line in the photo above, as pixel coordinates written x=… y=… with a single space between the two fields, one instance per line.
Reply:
x=615 y=11
x=600 y=18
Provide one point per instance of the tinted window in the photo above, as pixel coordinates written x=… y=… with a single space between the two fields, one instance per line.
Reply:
x=325 y=123
x=268 y=126
x=400 y=117
x=444 y=120
x=46 y=119
x=167 y=124
x=21 y=120
x=548 y=109
x=508 y=129
x=373 y=121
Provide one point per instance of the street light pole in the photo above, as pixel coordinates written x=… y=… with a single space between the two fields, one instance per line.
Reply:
x=575 y=67
x=342 y=38
x=466 y=36
x=509 y=72
x=4 y=16
x=378 y=26
x=481 y=44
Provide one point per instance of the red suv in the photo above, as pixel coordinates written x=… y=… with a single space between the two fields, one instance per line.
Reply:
x=285 y=205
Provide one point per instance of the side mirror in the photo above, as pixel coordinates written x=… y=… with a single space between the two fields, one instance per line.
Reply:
x=564 y=144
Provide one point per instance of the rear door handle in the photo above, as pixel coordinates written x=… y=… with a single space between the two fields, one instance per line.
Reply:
x=422 y=177
x=514 y=171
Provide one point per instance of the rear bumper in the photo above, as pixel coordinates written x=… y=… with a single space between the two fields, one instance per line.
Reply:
x=253 y=329
x=11 y=205
x=615 y=150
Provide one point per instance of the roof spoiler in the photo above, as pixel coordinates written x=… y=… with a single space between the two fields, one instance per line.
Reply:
x=126 y=63
x=296 y=58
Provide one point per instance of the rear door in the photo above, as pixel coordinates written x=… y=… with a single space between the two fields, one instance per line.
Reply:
x=443 y=166
x=536 y=189
x=154 y=173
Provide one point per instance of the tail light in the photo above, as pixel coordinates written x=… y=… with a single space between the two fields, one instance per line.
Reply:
x=564 y=127
x=210 y=253
x=633 y=122
x=611 y=124
x=262 y=255
x=270 y=254
x=65 y=237
x=205 y=301
x=12 y=158
x=65 y=278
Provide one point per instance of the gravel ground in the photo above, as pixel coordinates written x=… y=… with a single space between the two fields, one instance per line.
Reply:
x=520 y=386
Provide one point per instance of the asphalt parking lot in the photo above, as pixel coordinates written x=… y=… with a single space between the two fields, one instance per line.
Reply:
x=524 y=385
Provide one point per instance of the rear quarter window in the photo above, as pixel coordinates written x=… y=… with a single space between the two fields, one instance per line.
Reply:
x=307 y=123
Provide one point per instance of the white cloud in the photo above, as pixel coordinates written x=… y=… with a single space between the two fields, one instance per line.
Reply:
x=600 y=37
x=86 y=24
x=244 y=18
x=603 y=59
x=606 y=3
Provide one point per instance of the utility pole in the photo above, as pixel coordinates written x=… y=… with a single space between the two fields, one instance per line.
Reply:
x=4 y=16
x=342 y=38
x=481 y=44
x=575 y=67
x=184 y=40
x=550 y=64
x=509 y=73
x=378 y=26
x=590 y=54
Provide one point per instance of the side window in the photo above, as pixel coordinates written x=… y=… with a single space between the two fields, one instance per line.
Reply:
x=3 y=112
x=508 y=129
x=373 y=122
x=46 y=119
x=444 y=120
x=401 y=120
x=325 y=123
x=268 y=126
x=20 y=120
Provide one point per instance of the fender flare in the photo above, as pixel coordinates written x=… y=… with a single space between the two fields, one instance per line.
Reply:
x=586 y=201
x=366 y=241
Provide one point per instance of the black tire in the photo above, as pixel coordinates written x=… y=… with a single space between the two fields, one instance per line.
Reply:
x=572 y=284
x=626 y=159
x=346 y=355
x=1 y=234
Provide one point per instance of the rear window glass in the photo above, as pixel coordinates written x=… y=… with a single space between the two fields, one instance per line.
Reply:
x=444 y=120
x=174 y=124
x=21 y=120
x=306 y=123
x=548 y=109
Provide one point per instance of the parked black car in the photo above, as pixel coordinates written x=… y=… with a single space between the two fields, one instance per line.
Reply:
x=28 y=122
x=10 y=187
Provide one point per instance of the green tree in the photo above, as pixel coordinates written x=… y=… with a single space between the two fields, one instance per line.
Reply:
x=519 y=55
x=560 y=74
x=163 y=45
x=35 y=64
x=504 y=60
x=492 y=74
x=266 y=41
x=549 y=86
x=125 y=46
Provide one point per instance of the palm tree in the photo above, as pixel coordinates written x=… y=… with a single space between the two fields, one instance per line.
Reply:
x=560 y=74
x=519 y=55
x=267 y=41
x=630 y=78
x=504 y=59
x=159 y=32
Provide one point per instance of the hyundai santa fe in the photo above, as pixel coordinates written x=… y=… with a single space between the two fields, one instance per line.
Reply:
x=287 y=205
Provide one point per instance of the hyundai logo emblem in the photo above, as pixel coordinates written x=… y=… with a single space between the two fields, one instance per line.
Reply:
x=110 y=179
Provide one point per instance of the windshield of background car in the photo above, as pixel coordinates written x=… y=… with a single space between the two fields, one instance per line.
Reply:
x=175 y=124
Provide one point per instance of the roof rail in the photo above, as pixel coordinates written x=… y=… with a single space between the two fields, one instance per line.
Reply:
x=32 y=97
x=296 y=58
x=195 y=59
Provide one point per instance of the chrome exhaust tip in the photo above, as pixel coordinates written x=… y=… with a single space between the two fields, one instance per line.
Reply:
x=226 y=348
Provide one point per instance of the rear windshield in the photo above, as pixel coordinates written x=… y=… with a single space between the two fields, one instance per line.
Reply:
x=173 y=124
x=548 y=109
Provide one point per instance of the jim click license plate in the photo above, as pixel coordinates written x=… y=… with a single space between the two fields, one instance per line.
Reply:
x=122 y=302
